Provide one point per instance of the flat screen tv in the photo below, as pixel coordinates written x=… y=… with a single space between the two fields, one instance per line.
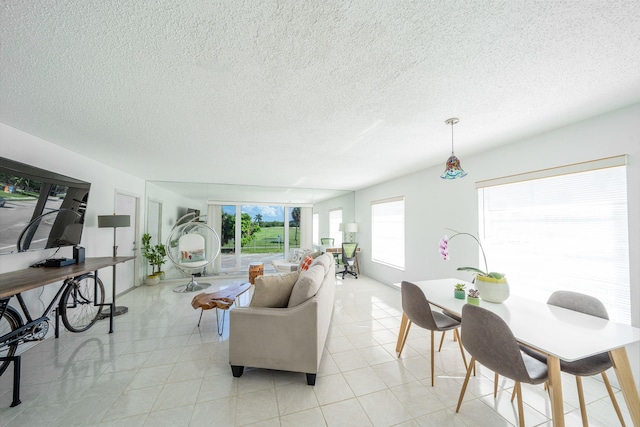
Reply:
x=39 y=209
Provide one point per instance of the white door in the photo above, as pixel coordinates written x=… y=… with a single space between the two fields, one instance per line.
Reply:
x=126 y=241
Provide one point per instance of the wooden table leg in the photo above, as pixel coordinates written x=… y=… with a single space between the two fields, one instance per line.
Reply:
x=402 y=334
x=624 y=373
x=555 y=391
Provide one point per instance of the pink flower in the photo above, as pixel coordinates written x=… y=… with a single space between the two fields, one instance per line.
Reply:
x=444 y=248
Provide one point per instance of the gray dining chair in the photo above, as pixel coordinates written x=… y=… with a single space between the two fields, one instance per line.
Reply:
x=589 y=366
x=418 y=310
x=491 y=343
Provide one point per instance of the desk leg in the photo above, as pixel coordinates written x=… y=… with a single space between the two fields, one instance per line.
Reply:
x=555 y=391
x=624 y=373
x=403 y=333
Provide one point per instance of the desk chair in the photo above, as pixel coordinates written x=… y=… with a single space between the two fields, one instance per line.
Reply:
x=349 y=259
x=418 y=310
x=589 y=366
x=490 y=341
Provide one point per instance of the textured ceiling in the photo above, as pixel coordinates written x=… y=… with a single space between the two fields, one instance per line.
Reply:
x=330 y=94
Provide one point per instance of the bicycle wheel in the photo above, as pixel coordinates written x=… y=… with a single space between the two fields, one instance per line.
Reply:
x=10 y=321
x=78 y=306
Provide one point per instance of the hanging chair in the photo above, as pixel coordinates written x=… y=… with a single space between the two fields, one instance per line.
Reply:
x=191 y=247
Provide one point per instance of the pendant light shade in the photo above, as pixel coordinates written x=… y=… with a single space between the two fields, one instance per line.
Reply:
x=453 y=169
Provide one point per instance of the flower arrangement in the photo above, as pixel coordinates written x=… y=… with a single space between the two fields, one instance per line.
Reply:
x=444 y=253
x=473 y=293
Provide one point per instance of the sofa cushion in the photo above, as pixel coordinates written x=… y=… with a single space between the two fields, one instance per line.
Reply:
x=273 y=291
x=307 y=285
x=324 y=261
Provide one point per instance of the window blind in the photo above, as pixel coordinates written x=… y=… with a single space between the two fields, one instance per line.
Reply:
x=561 y=232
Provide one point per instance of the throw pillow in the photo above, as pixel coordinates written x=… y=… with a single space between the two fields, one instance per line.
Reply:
x=295 y=255
x=324 y=261
x=193 y=256
x=306 y=263
x=273 y=291
x=307 y=285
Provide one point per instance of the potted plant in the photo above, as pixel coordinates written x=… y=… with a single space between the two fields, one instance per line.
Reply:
x=473 y=297
x=492 y=285
x=155 y=256
x=458 y=292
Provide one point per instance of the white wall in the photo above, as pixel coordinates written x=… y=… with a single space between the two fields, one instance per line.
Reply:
x=105 y=181
x=433 y=204
x=344 y=202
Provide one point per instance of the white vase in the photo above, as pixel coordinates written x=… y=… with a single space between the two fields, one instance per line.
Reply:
x=492 y=290
x=152 y=280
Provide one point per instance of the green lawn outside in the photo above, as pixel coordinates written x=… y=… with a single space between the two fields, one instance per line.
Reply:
x=267 y=241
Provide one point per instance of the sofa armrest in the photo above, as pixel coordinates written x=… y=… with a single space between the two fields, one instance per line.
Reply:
x=275 y=338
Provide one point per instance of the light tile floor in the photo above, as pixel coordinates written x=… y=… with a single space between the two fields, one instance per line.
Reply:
x=158 y=368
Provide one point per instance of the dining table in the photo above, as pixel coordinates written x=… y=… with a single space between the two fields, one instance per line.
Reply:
x=559 y=333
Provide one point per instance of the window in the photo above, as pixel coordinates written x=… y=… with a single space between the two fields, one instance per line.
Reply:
x=566 y=231
x=316 y=228
x=335 y=219
x=387 y=232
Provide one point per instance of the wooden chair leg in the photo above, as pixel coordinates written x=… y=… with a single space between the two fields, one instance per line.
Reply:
x=583 y=408
x=472 y=362
x=613 y=398
x=432 y=354
x=515 y=392
x=518 y=389
x=495 y=385
x=464 y=358
x=442 y=340
x=402 y=340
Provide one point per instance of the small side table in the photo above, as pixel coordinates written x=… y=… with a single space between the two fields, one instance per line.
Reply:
x=255 y=269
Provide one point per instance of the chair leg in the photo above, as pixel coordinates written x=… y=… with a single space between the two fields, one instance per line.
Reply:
x=495 y=385
x=432 y=353
x=515 y=392
x=613 y=398
x=518 y=388
x=403 y=339
x=472 y=363
x=583 y=408
x=442 y=340
x=464 y=358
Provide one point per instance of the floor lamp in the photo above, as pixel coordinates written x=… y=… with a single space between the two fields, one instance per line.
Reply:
x=114 y=221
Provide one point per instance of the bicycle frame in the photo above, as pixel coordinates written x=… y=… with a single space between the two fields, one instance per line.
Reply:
x=18 y=334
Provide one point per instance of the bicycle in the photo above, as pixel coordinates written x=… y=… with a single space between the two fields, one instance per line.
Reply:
x=79 y=307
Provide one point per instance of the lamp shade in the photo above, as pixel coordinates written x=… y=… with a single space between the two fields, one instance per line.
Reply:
x=351 y=227
x=114 y=221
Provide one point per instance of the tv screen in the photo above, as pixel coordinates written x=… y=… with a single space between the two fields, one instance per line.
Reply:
x=39 y=209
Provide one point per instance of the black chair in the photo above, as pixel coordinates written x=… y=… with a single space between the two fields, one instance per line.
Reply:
x=349 y=259
x=417 y=309
x=589 y=366
x=490 y=341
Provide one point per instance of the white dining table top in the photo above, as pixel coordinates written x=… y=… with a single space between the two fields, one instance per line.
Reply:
x=566 y=334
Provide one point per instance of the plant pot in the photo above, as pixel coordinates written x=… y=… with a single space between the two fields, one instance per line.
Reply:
x=474 y=301
x=458 y=294
x=492 y=290
x=152 y=280
x=160 y=274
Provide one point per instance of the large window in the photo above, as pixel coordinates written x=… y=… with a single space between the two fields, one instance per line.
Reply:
x=335 y=219
x=567 y=231
x=387 y=232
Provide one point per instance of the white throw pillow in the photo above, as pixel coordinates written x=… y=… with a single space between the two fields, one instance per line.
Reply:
x=273 y=291
x=308 y=284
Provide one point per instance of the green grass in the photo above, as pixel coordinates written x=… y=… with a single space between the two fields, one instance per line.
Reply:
x=267 y=240
x=16 y=195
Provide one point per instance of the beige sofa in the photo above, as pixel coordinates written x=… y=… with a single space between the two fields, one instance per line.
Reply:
x=285 y=331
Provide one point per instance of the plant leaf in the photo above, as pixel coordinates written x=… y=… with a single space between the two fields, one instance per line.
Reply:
x=473 y=269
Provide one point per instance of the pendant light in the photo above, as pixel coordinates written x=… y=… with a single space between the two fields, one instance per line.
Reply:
x=453 y=169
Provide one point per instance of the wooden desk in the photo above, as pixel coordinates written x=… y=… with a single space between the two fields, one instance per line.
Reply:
x=560 y=333
x=15 y=282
